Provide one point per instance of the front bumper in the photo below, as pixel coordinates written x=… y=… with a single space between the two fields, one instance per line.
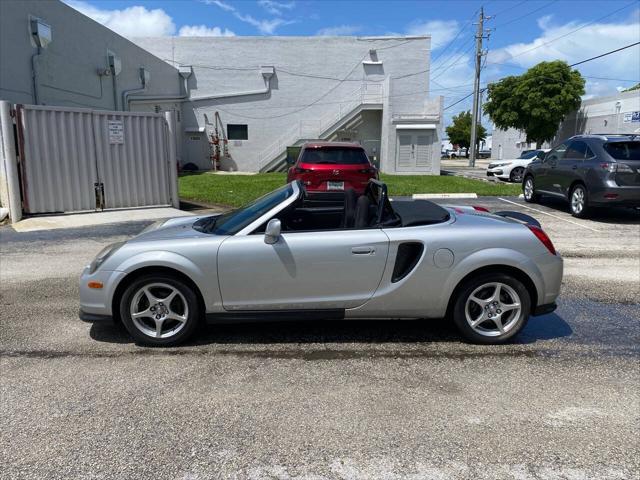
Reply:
x=496 y=172
x=94 y=318
x=97 y=301
x=544 y=309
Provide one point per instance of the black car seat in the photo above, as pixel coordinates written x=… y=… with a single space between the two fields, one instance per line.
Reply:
x=362 y=212
x=350 y=199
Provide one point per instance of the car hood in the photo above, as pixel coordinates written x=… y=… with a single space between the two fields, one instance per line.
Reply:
x=181 y=227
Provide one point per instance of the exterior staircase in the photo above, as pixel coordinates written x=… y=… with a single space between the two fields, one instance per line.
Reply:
x=366 y=97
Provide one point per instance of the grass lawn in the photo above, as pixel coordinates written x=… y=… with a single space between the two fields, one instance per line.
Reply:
x=238 y=190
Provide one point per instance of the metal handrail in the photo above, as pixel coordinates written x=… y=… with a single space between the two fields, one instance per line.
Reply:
x=366 y=93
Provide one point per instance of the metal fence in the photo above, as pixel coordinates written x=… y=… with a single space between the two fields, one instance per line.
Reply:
x=77 y=159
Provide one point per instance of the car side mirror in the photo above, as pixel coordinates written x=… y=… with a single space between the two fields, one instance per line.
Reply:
x=272 y=232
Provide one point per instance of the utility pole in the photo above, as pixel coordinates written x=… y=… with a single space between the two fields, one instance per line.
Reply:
x=476 y=88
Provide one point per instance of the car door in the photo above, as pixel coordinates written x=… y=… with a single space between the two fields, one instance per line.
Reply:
x=570 y=166
x=302 y=271
x=547 y=173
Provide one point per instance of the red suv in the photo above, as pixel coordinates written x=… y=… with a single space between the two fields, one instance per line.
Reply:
x=332 y=167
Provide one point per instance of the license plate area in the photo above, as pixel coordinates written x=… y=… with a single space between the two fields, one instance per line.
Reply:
x=335 y=185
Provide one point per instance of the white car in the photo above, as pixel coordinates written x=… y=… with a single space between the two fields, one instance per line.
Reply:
x=512 y=170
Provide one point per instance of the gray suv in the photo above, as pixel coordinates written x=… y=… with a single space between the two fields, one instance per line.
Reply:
x=588 y=171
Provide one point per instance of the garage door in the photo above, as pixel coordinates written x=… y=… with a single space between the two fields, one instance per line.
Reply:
x=78 y=160
x=414 y=151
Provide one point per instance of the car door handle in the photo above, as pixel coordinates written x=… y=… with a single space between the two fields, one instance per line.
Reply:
x=363 y=250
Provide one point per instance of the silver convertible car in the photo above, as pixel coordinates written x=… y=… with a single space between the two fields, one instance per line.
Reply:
x=286 y=257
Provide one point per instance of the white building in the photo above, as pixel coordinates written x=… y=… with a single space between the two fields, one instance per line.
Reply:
x=613 y=114
x=267 y=93
x=262 y=93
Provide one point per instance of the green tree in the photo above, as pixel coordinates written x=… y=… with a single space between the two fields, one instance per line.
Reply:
x=537 y=101
x=631 y=89
x=459 y=131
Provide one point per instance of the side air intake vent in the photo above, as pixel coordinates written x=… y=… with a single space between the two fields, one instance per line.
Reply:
x=408 y=255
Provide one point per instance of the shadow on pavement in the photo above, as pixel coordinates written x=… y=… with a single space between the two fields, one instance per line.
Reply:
x=617 y=215
x=341 y=332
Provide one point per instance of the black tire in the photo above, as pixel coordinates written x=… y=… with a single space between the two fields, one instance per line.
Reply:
x=516 y=175
x=579 y=209
x=155 y=282
x=534 y=197
x=515 y=320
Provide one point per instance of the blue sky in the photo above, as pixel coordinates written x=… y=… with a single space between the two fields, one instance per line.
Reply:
x=526 y=32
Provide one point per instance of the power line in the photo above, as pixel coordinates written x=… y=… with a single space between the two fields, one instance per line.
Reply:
x=513 y=65
x=461 y=100
x=526 y=14
x=605 y=54
x=468 y=22
x=574 y=31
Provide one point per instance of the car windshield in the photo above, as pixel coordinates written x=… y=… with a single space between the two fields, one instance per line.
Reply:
x=623 y=150
x=337 y=155
x=528 y=155
x=232 y=222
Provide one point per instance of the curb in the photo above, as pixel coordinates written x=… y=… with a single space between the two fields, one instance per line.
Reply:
x=418 y=196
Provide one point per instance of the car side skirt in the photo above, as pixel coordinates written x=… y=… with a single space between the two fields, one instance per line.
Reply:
x=274 y=315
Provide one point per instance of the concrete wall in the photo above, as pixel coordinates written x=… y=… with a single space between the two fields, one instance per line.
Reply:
x=313 y=75
x=509 y=144
x=66 y=70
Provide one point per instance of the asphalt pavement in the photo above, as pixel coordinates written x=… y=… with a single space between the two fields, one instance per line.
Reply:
x=315 y=400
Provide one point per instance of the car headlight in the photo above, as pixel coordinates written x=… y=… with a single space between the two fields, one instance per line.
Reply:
x=105 y=253
x=501 y=164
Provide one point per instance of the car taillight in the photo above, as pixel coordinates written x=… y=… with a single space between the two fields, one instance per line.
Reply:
x=302 y=170
x=543 y=237
x=479 y=208
x=616 y=167
x=367 y=170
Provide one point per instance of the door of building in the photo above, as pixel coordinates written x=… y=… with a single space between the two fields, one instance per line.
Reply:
x=414 y=151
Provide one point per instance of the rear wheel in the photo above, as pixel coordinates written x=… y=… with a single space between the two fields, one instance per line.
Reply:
x=491 y=308
x=516 y=175
x=159 y=310
x=529 y=190
x=578 y=201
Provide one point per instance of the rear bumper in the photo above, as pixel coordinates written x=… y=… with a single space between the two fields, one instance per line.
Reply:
x=619 y=196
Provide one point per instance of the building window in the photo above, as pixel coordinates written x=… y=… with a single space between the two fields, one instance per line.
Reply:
x=237 y=132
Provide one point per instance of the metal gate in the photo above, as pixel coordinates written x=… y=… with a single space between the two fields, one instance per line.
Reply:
x=78 y=159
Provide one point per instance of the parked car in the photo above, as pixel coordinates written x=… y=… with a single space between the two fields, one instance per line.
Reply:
x=486 y=153
x=513 y=170
x=325 y=167
x=364 y=257
x=588 y=171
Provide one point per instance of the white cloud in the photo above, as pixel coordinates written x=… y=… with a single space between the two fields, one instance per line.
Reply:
x=276 y=8
x=265 y=26
x=339 y=30
x=589 y=41
x=135 y=21
x=204 y=31
x=441 y=31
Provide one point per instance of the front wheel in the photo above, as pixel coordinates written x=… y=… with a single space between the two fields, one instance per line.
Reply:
x=516 y=175
x=529 y=191
x=159 y=310
x=491 y=308
x=578 y=199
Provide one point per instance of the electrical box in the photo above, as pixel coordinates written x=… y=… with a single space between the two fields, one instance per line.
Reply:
x=114 y=62
x=41 y=32
x=145 y=77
